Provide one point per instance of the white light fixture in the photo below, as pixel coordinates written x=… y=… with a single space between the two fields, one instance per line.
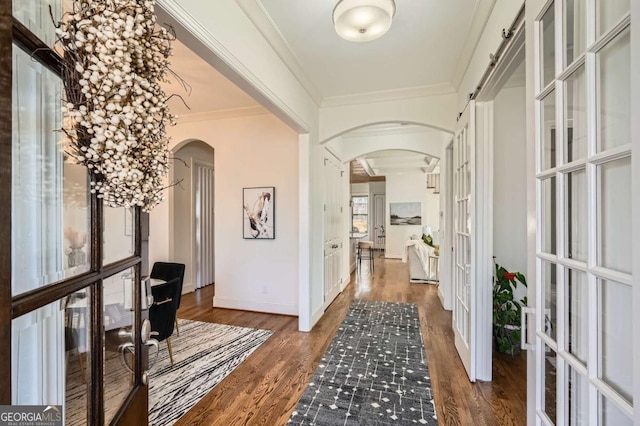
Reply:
x=363 y=20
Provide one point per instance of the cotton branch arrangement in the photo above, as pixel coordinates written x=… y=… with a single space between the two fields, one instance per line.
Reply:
x=114 y=59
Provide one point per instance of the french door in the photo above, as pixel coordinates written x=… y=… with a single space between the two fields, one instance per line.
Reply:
x=584 y=356
x=70 y=317
x=464 y=324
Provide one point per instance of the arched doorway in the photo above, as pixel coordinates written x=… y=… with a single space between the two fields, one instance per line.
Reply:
x=192 y=213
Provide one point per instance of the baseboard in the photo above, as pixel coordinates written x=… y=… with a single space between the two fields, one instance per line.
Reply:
x=316 y=316
x=255 y=305
x=442 y=301
x=393 y=256
x=188 y=288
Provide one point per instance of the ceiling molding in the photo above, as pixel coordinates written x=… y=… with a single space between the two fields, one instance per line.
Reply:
x=222 y=114
x=225 y=62
x=258 y=15
x=480 y=18
x=389 y=95
x=393 y=129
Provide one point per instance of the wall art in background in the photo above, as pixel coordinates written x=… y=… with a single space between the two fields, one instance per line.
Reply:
x=258 y=217
x=406 y=213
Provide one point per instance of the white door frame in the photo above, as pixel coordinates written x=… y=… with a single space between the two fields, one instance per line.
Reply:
x=445 y=289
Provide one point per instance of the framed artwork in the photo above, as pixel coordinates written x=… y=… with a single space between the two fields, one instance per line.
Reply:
x=258 y=213
x=405 y=213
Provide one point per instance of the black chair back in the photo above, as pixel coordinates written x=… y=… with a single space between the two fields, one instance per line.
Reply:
x=162 y=313
x=167 y=271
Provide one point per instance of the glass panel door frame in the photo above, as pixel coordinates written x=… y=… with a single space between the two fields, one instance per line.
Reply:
x=464 y=227
x=591 y=163
x=11 y=307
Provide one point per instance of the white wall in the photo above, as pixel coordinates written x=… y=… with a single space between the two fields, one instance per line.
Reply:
x=183 y=207
x=509 y=180
x=258 y=150
x=436 y=111
x=409 y=187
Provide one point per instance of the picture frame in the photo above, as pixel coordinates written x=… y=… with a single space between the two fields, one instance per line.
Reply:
x=258 y=213
x=405 y=214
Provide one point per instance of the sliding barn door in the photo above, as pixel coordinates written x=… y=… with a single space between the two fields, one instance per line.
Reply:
x=584 y=286
x=464 y=325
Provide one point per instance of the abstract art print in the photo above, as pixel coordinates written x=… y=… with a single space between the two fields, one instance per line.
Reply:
x=406 y=213
x=258 y=220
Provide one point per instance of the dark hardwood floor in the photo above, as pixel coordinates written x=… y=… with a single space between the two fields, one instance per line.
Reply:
x=265 y=388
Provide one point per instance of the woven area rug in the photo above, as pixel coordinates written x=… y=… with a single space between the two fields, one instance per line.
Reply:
x=204 y=354
x=373 y=373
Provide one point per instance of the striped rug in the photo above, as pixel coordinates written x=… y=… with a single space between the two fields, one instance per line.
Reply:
x=204 y=354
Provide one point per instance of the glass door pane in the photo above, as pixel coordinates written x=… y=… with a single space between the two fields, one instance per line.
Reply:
x=576 y=215
x=609 y=12
x=614 y=220
x=50 y=361
x=118 y=234
x=50 y=229
x=616 y=350
x=119 y=318
x=575 y=12
x=575 y=130
x=548 y=49
x=548 y=117
x=614 y=101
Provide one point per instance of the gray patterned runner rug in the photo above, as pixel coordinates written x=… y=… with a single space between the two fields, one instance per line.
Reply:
x=204 y=354
x=373 y=373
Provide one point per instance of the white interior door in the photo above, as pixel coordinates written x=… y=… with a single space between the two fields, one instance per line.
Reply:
x=332 y=228
x=464 y=324
x=378 y=220
x=584 y=354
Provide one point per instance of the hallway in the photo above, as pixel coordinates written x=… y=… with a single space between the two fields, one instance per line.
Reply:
x=265 y=388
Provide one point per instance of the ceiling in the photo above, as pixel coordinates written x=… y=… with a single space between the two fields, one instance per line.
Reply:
x=206 y=89
x=382 y=163
x=428 y=41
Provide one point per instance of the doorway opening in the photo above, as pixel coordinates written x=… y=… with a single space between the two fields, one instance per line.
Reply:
x=193 y=213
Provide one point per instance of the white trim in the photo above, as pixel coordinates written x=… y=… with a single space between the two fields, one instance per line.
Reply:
x=256 y=12
x=635 y=201
x=256 y=306
x=481 y=16
x=188 y=288
x=316 y=316
x=389 y=95
x=193 y=33
x=483 y=248
x=305 y=321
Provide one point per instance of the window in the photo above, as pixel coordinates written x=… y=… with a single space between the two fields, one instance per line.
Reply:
x=360 y=214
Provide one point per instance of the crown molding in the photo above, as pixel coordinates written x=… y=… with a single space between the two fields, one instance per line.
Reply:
x=222 y=114
x=228 y=64
x=478 y=23
x=389 y=95
x=258 y=15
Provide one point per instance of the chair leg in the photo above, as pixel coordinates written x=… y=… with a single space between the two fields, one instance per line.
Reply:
x=170 y=350
x=371 y=256
x=177 y=329
x=82 y=372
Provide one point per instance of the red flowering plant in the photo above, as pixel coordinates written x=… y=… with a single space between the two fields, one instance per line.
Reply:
x=507 y=309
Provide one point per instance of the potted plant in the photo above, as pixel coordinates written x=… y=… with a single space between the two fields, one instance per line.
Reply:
x=507 y=310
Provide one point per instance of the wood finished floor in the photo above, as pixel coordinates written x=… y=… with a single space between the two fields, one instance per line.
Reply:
x=265 y=388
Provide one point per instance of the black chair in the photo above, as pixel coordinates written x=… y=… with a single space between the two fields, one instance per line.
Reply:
x=167 y=271
x=162 y=313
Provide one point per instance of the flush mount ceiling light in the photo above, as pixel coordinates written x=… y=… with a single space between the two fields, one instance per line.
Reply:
x=363 y=20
